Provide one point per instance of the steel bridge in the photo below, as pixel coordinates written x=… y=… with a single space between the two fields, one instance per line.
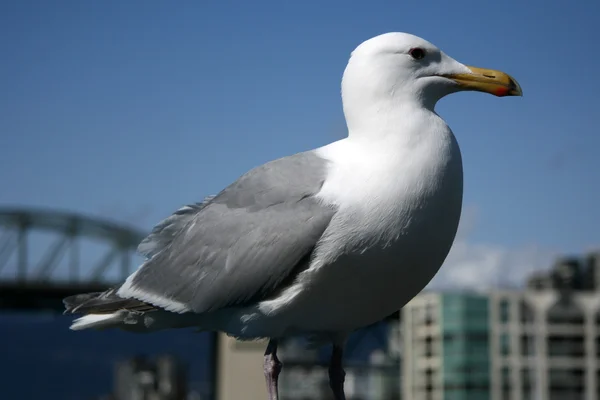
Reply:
x=63 y=266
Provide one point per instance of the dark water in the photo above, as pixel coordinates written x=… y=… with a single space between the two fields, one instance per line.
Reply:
x=41 y=358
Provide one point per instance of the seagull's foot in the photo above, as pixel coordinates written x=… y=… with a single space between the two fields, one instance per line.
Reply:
x=272 y=367
x=337 y=374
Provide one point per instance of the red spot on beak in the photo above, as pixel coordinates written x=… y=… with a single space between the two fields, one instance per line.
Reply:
x=501 y=91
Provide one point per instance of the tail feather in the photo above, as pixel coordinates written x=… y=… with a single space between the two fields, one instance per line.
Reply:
x=103 y=310
x=107 y=302
x=98 y=321
x=72 y=302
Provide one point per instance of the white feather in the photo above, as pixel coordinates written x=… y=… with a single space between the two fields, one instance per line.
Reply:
x=128 y=291
x=97 y=321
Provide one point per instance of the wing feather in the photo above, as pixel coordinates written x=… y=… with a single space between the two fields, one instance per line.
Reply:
x=239 y=246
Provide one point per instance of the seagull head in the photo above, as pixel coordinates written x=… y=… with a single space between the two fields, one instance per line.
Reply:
x=396 y=68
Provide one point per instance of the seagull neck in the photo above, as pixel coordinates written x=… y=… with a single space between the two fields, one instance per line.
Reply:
x=406 y=117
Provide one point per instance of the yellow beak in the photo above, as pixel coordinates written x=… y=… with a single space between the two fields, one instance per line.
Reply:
x=489 y=81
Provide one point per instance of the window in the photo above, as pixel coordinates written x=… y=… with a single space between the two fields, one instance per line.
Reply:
x=504 y=311
x=429 y=379
x=528 y=378
x=566 y=383
x=429 y=314
x=527 y=315
x=565 y=346
x=504 y=344
x=527 y=345
x=505 y=383
x=429 y=345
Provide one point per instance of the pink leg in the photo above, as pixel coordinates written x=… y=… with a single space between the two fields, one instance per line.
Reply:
x=272 y=367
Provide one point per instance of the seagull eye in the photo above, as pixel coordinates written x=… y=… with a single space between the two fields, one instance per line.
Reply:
x=417 y=53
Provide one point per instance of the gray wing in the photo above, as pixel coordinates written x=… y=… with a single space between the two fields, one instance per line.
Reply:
x=240 y=245
x=164 y=233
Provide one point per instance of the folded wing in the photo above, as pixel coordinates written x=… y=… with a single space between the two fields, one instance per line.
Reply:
x=242 y=245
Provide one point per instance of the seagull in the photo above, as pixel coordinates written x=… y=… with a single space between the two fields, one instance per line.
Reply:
x=323 y=242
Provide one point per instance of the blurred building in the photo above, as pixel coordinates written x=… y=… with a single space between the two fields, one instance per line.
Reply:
x=446 y=347
x=570 y=273
x=371 y=361
x=542 y=342
x=141 y=379
x=546 y=338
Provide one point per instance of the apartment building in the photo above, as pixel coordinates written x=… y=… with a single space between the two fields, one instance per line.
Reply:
x=540 y=342
x=446 y=347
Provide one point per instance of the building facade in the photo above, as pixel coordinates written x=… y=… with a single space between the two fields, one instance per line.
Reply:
x=545 y=345
x=371 y=362
x=446 y=347
x=142 y=379
x=538 y=343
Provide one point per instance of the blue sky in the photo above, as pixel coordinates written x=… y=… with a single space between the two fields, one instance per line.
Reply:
x=128 y=110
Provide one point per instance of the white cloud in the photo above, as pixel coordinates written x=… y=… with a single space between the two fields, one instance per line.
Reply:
x=481 y=266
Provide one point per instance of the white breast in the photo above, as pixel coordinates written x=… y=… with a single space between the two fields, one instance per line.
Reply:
x=386 y=184
x=399 y=207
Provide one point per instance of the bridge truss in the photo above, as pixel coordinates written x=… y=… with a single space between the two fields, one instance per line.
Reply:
x=46 y=255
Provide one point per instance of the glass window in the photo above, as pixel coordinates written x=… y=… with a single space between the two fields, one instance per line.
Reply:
x=504 y=311
x=527 y=345
x=429 y=314
x=504 y=344
x=565 y=346
x=527 y=315
x=566 y=383
x=505 y=383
